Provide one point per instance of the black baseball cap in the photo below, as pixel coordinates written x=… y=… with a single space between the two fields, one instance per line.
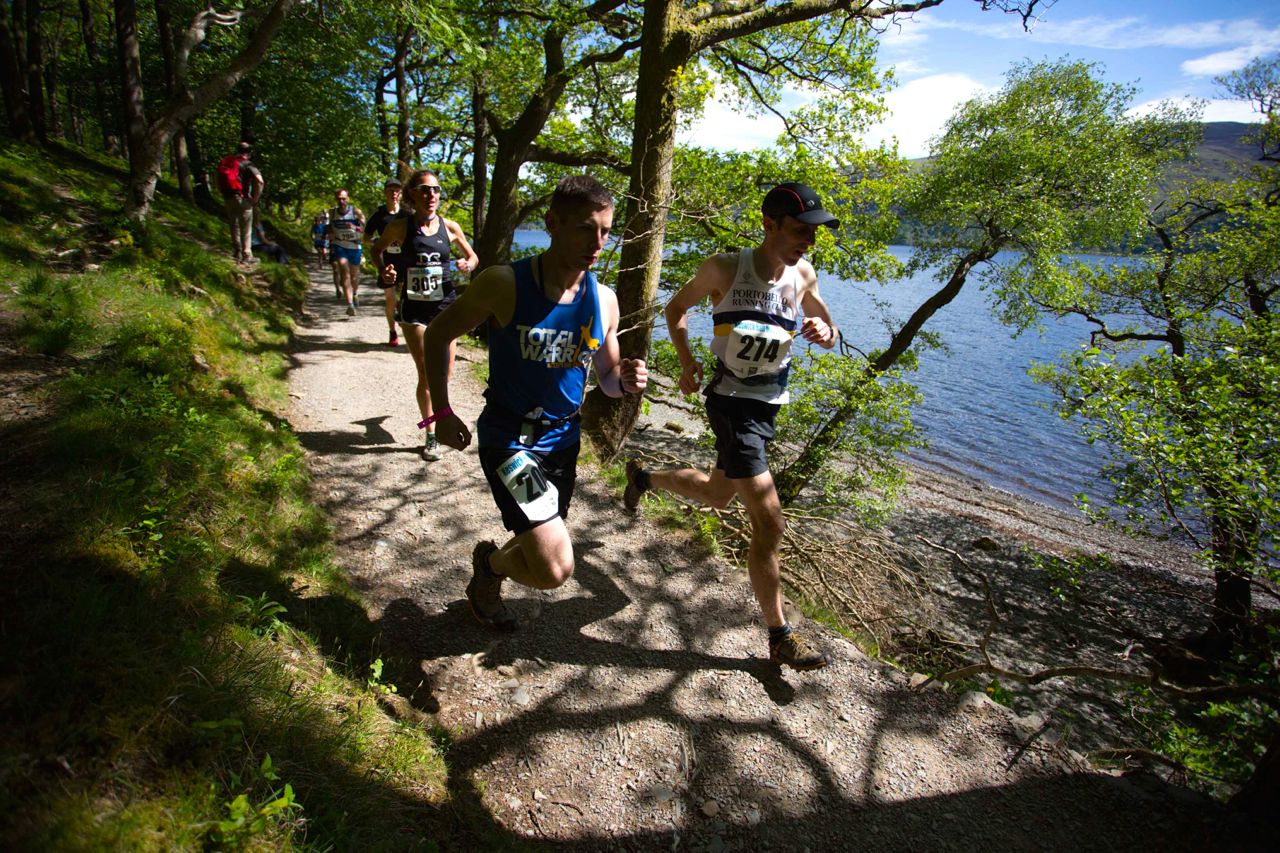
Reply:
x=392 y=182
x=799 y=202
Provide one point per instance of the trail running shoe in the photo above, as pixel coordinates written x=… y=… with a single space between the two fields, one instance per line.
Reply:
x=431 y=448
x=395 y=339
x=484 y=593
x=796 y=652
x=351 y=310
x=631 y=497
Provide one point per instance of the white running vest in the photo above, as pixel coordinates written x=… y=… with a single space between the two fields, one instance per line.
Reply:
x=755 y=322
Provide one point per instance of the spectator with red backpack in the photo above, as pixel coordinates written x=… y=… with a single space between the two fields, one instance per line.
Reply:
x=241 y=184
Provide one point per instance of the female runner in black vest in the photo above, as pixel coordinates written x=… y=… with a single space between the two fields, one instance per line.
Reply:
x=424 y=273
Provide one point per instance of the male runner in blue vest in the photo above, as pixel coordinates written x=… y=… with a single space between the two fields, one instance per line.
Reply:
x=761 y=299
x=548 y=319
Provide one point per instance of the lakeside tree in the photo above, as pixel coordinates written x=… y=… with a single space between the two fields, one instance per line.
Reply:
x=1180 y=379
x=757 y=43
x=1050 y=163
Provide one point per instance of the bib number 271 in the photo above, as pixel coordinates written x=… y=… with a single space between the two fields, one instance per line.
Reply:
x=538 y=498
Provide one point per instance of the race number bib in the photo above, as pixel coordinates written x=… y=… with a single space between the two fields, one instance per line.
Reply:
x=756 y=349
x=426 y=283
x=345 y=234
x=393 y=249
x=522 y=475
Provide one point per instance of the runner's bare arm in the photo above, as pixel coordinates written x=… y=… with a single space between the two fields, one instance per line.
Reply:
x=393 y=233
x=468 y=260
x=616 y=375
x=711 y=280
x=491 y=295
x=818 y=327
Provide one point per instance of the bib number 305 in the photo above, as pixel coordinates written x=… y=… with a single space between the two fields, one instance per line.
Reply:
x=522 y=475
x=426 y=283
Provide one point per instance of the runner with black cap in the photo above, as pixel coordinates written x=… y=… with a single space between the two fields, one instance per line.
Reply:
x=761 y=299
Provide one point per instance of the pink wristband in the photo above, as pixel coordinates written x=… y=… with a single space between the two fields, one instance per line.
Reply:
x=443 y=413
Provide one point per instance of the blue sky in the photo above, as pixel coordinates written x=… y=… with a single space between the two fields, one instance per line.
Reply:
x=1169 y=49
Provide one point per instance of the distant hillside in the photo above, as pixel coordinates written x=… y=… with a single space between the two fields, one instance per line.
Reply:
x=1222 y=151
x=1220 y=155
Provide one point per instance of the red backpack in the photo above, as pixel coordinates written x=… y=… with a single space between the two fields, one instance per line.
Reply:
x=228 y=175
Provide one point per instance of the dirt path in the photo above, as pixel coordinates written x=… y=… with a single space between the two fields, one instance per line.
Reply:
x=633 y=708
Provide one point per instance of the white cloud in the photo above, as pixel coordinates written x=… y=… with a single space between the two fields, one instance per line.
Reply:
x=724 y=129
x=1222 y=62
x=918 y=110
x=1230 y=110
x=1219 y=109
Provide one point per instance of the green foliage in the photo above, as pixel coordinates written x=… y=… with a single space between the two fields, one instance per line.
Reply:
x=166 y=543
x=1218 y=742
x=1068 y=576
x=858 y=468
x=53 y=312
x=247 y=820
x=999 y=693
x=1185 y=436
x=1180 y=379
x=262 y=615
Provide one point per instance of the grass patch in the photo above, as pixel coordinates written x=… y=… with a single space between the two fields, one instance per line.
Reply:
x=186 y=665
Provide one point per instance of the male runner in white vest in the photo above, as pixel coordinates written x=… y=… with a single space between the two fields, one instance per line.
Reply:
x=761 y=299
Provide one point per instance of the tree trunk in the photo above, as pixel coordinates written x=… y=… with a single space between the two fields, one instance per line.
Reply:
x=404 y=129
x=1259 y=799
x=142 y=182
x=103 y=111
x=164 y=32
x=609 y=420
x=199 y=174
x=51 y=69
x=384 y=129
x=513 y=144
x=493 y=245
x=182 y=164
x=15 y=96
x=1234 y=543
x=479 y=157
x=35 y=72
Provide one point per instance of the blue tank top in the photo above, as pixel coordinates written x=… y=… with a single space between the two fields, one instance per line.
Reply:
x=538 y=367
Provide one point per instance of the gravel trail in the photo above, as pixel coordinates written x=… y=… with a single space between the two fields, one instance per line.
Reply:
x=634 y=709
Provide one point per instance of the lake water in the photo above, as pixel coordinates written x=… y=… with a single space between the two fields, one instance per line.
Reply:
x=982 y=415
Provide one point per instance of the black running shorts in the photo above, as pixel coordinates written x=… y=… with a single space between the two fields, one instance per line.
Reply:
x=559 y=467
x=420 y=312
x=743 y=429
